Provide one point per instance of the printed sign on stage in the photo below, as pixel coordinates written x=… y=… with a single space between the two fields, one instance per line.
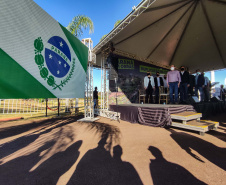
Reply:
x=131 y=75
x=125 y=64
x=153 y=70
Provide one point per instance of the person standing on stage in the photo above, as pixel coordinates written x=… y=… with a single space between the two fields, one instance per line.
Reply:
x=158 y=83
x=184 y=84
x=199 y=84
x=165 y=84
x=173 y=82
x=95 y=98
x=198 y=73
x=206 y=89
x=192 y=84
x=222 y=93
x=149 y=86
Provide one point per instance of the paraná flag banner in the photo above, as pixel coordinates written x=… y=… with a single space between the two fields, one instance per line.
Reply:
x=39 y=58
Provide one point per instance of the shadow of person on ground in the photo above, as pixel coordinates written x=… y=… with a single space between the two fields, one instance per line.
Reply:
x=18 y=171
x=97 y=167
x=125 y=172
x=214 y=154
x=165 y=172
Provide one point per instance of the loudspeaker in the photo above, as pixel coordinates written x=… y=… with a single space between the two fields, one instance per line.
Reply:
x=192 y=100
x=215 y=99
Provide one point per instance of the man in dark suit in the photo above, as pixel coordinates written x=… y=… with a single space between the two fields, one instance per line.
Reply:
x=95 y=98
x=222 y=93
x=184 y=84
x=192 y=84
x=158 y=83
x=206 y=89
x=201 y=85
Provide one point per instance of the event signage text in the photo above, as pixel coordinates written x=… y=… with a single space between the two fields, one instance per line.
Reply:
x=125 y=64
x=145 y=69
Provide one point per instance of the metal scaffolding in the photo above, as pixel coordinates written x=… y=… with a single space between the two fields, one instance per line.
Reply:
x=104 y=83
x=105 y=77
x=88 y=99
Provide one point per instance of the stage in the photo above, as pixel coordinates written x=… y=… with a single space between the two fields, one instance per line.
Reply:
x=210 y=108
x=156 y=115
x=159 y=115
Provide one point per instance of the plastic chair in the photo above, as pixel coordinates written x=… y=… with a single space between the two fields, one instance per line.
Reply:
x=141 y=96
x=163 y=96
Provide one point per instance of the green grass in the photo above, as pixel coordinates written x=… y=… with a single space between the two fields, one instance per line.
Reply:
x=27 y=110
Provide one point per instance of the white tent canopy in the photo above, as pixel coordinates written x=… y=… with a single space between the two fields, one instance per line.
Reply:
x=180 y=32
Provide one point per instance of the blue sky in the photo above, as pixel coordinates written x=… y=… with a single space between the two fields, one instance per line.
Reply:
x=104 y=14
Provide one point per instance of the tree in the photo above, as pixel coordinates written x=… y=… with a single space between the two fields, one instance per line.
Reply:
x=102 y=37
x=117 y=23
x=80 y=23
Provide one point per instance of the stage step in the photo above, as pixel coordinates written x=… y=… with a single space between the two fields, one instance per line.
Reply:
x=200 y=126
x=186 y=116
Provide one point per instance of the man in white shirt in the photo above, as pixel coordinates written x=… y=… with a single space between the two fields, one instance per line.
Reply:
x=149 y=86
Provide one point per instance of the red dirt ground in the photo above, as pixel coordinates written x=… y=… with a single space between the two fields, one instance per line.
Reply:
x=64 y=151
x=10 y=119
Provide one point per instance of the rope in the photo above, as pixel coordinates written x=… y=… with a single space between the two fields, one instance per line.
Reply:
x=53 y=109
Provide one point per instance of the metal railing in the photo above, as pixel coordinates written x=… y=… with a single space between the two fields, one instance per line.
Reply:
x=39 y=106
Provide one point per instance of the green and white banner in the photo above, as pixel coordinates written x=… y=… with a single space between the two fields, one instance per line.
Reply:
x=39 y=58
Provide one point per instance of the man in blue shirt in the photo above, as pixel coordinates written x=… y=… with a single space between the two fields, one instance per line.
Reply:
x=173 y=82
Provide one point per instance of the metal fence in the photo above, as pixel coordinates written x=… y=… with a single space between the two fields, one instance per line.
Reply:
x=36 y=106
